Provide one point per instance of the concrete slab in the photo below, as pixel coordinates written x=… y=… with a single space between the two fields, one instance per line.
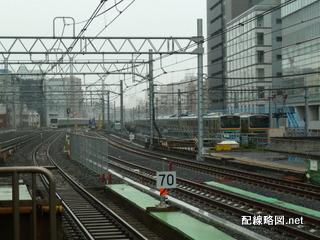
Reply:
x=191 y=227
x=6 y=193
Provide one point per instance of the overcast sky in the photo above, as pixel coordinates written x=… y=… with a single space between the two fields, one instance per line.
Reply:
x=161 y=18
x=141 y=18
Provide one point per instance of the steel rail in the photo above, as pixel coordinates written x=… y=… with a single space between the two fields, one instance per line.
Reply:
x=296 y=188
x=91 y=217
x=211 y=197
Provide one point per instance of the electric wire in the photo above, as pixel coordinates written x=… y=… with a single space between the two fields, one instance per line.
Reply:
x=264 y=77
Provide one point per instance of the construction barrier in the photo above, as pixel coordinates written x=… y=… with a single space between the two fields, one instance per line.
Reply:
x=223 y=147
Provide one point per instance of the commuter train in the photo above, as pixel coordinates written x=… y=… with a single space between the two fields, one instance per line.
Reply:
x=215 y=125
x=65 y=122
x=30 y=119
x=254 y=124
x=212 y=124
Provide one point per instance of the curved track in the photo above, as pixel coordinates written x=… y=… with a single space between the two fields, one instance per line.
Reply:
x=296 y=188
x=85 y=216
x=207 y=197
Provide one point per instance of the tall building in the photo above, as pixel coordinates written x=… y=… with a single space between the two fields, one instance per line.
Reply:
x=31 y=86
x=219 y=13
x=300 y=58
x=253 y=56
x=64 y=93
x=32 y=96
x=9 y=97
x=168 y=101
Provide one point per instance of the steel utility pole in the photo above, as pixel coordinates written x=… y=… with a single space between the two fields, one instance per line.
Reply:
x=151 y=96
x=121 y=106
x=6 y=85
x=179 y=113
x=108 y=112
x=270 y=108
x=270 y=116
x=200 y=89
x=306 y=118
x=114 y=111
x=103 y=104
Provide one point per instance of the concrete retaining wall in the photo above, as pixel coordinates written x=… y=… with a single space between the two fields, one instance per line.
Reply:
x=295 y=146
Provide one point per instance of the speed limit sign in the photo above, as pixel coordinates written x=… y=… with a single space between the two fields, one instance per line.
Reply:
x=166 y=180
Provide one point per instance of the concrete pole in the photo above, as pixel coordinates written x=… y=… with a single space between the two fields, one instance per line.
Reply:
x=151 y=98
x=200 y=90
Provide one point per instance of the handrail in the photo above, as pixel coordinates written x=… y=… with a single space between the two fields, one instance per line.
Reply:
x=15 y=171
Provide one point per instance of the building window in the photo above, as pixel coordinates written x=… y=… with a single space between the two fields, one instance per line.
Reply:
x=260 y=92
x=279 y=56
x=260 y=38
x=279 y=39
x=260 y=74
x=278 y=21
x=260 y=56
x=259 y=21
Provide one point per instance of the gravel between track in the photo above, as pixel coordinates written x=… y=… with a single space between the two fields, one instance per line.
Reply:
x=93 y=181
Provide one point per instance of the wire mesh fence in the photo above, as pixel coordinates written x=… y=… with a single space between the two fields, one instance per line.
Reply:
x=89 y=151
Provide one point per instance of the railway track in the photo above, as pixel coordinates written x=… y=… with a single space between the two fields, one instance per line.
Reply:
x=207 y=197
x=10 y=142
x=84 y=216
x=295 y=188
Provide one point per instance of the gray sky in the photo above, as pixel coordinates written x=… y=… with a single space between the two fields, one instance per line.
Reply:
x=161 y=18
x=142 y=18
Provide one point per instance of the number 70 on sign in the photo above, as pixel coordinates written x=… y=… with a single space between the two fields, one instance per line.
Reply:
x=166 y=180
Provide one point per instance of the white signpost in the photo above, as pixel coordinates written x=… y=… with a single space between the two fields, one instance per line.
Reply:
x=166 y=179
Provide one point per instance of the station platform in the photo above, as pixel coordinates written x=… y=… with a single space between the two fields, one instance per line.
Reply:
x=262 y=160
x=6 y=192
x=188 y=227
x=266 y=199
x=8 y=221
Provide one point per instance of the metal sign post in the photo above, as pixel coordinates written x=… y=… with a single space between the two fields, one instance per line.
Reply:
x=165 y=180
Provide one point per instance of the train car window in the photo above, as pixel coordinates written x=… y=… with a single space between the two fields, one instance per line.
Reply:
x=210 y=124
x=230 y=122
x=54 y=120
x=259 y=121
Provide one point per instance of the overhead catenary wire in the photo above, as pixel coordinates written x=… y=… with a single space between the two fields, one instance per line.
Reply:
x=252 y=19
x=229 y=78
x=243 y=23
x=82 y=31
x=247 y=56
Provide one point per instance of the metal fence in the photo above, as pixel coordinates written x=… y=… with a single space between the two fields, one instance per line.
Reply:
x=89 y=151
